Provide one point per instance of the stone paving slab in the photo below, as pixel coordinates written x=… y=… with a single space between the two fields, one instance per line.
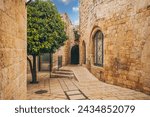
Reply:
x=77 y=97
x=81 y=73
x=86 y=83
x=73 y=92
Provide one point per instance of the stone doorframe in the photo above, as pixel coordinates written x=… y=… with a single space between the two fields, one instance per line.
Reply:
x=83 y=58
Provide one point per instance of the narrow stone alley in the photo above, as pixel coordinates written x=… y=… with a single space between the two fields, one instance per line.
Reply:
x=77 y=83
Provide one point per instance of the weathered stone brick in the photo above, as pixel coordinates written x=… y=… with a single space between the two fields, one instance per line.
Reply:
x=125 y=25
x=12 y=49
x=65 y=51
x=2 y=5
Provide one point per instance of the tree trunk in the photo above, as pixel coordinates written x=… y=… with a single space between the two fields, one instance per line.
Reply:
x=34 y=76
x=50 y=64
x=30 y=63
x=39 y=63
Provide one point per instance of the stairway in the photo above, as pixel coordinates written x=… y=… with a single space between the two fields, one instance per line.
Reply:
x=62 y=74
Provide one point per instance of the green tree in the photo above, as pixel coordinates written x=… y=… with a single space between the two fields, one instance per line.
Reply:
x=45 y=31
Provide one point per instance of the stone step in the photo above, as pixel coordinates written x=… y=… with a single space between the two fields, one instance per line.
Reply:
x=56 y=75
x=63 y=72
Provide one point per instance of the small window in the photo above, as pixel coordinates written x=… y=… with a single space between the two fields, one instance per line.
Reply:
x=98 y=48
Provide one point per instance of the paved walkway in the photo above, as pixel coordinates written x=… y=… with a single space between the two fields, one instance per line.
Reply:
x=83 y=86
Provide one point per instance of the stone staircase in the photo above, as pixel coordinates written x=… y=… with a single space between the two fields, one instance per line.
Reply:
x=62 y=74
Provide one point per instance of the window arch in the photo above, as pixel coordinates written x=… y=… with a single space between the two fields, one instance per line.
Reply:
x=98 y=48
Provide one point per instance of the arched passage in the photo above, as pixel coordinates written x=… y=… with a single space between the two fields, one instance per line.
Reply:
x=83 y=53
x=75 y=55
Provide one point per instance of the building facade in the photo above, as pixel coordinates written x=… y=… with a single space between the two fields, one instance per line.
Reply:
x=62 y=56
x=115 y=41
x=13 y=49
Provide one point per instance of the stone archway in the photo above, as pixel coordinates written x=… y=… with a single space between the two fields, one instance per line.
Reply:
x=83 y=52
x=94 y=46
x=75 y=55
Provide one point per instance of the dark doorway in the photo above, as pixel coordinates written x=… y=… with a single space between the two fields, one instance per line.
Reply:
x=75 y=55
x=44 y=62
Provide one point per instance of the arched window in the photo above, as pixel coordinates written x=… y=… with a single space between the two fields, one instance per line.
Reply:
x=98 y=48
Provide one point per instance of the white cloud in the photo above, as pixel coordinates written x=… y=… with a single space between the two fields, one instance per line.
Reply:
x=75 y=9
x=66 y=1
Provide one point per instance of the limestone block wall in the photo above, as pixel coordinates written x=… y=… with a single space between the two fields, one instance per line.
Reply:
x=126 y=28
x=65 y=51
x=71 y=37
x=13 y=49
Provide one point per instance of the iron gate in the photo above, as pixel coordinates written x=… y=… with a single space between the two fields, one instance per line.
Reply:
x=59 y=62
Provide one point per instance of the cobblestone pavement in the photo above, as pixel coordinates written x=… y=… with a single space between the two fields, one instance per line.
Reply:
x=83 y=87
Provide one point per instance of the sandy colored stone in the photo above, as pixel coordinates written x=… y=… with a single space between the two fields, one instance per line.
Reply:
x=77 y=97
x=73 y=92
x=92 y=88
x=13 y=50
x=126 y=41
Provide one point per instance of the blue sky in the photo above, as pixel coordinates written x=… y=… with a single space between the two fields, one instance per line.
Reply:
x=70 y=7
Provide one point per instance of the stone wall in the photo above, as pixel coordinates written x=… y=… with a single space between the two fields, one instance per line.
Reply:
x=126 y=28
x=65 y=51
x=13 y=49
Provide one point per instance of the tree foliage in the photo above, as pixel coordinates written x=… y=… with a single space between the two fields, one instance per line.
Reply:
x=45 y=29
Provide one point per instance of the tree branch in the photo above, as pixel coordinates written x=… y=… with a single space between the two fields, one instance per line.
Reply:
x=28 y=2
